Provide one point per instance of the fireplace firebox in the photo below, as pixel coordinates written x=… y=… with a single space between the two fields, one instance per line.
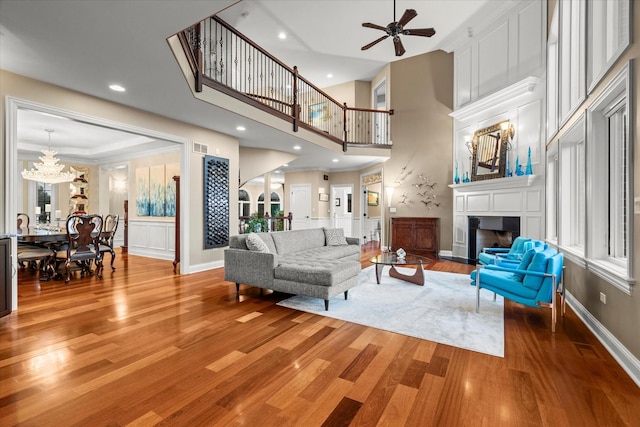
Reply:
x=491 y=231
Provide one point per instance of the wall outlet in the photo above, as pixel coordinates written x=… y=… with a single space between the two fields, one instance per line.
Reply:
x=603 y=298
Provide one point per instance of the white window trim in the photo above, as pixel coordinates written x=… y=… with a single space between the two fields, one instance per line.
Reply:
x=602 y=266
x=552 y=195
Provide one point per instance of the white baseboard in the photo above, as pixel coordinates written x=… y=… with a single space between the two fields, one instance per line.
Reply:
x=624 y=357
x=446 y=254
x=204 y=267
x=151 y=253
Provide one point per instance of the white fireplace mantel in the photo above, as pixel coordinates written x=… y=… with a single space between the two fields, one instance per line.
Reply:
x=496 y=184
x=517 y=196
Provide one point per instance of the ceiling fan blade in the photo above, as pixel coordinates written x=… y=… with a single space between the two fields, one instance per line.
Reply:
x=374 y=26
x=424 y=32
x=397 y=43
x=365 y=47
x=409 y=14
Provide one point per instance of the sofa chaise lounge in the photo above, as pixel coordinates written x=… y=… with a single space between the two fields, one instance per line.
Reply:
x=319 y=263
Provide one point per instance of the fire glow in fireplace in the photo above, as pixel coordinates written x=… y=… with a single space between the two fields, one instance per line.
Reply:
x=491 y=232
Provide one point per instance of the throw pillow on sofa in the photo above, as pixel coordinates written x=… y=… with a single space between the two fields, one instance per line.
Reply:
x=335 y=237
x=255 y=243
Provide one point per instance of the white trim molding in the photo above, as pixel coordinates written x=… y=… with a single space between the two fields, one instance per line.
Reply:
x=505 y=95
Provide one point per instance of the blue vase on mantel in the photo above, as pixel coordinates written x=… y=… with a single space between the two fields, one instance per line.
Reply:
x=519 y=171
x=529 y=170
x=466 y=177
x=456 y=178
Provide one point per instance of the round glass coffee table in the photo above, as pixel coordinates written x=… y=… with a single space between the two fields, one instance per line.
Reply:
x=391 y=259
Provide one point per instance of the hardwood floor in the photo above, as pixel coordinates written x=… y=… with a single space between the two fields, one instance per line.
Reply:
x=144 y=347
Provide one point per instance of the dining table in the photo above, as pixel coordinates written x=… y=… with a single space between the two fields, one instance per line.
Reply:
x=37 y=234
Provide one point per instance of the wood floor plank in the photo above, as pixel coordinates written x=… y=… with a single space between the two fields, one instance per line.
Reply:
x=144 y=346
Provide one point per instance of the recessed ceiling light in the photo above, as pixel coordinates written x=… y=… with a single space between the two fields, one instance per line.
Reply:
x=286 y=165
x=277 y=171
x=282 y=35
x=296 y=147
x=335 y=160
x=117 y=88
x=241 y=128
x=329 y=76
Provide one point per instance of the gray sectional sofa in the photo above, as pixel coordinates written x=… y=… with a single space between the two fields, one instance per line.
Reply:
x=318 y=263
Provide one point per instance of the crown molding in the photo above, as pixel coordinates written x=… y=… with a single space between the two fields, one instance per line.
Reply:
x=523 y=87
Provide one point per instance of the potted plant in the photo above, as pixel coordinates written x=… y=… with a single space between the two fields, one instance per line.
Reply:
x=256 y=224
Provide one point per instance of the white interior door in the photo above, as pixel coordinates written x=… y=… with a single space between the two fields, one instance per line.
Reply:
x=301 y=206
x=342 y=209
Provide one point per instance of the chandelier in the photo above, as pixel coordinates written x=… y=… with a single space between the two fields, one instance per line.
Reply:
x=49 y=171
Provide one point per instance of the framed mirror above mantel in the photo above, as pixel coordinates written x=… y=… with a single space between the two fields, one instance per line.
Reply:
x=489 y=151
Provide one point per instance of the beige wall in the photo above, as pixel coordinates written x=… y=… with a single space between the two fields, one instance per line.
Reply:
x=422 y=133
x=357 y=94
x=36 y=91
x=256 y=162
x=621 y=314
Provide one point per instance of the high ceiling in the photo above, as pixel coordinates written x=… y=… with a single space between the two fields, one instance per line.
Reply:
x=87 y=45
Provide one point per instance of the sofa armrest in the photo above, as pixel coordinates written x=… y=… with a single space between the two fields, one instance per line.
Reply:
x=249 y=267
x=353 y=240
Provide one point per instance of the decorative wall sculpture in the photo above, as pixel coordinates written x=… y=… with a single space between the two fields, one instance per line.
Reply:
x=416 y=189
x=216 y=202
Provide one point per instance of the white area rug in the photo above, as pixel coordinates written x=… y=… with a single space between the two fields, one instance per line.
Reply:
x=443 y=310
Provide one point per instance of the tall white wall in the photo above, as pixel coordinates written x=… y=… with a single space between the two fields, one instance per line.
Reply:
x=500 y=75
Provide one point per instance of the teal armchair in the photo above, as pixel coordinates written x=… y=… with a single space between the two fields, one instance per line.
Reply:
x=535 y=282
x=509 y=257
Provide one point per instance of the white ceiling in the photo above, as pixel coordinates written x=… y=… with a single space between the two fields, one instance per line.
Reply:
x=87 y=45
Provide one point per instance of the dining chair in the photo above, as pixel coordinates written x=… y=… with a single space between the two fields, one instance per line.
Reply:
x=107 y=235
x=82 y=247
x=37 y=257
x=23 y=221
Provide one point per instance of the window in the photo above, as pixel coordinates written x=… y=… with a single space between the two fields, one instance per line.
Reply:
x=608 y=36
x=43 y=201
x=618 y=182
x=571 y=59
x=552 y=192
x=244 y=203
x=572 y=188
x=610 y=167
x=274 y=205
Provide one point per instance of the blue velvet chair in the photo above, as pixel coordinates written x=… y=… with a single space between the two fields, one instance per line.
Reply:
x=534 y=282
x=509 y=257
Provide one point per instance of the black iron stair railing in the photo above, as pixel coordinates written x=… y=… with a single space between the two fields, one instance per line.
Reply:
x=225 y=60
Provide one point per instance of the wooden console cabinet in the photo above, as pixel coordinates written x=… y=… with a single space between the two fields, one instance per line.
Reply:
x=416 y=235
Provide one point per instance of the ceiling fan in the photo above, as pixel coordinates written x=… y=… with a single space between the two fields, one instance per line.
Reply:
x=396 y=28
